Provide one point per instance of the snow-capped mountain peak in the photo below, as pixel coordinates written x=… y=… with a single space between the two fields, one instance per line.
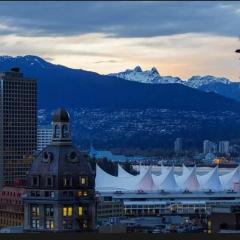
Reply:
x=198 y=81
x=154 y=70
x=138 y=69
x=153 y=76
x=147 y=76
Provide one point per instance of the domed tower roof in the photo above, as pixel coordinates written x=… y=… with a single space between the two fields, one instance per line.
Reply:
x=61 y=115
x=61 y=157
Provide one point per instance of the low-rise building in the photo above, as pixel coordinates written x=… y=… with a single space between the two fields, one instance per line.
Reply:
x=11 y=206
x=225 y=218
x=109 y=209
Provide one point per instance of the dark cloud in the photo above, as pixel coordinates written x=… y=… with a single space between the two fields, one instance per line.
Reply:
x=50 y=59
x=121 y=19
x=107 y=61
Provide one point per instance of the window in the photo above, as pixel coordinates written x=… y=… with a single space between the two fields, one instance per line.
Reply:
x=49 y=181
x=67 y=181
x=83 y=180
x=80 y=211
x=35 y=181
x=35 y=210
x=82 y=193
x=32 y=194
x=57 y=132
x=35 y=223
x=67 y=224
x=67 y=211
x=65 y=132
x=49 y=211
x=85 y=224
x=49 y=194
x=49 y=224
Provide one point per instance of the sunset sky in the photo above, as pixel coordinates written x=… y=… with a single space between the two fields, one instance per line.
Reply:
x=178 y=38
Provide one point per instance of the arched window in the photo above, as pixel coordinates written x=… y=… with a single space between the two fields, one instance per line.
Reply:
x=57 y=131
x=65 y=132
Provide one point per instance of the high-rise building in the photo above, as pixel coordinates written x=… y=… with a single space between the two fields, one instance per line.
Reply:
x=18 y=125
x=209 y=147
x=223 y=147
x=178 y=145
x=60 y=194
x=44 y=137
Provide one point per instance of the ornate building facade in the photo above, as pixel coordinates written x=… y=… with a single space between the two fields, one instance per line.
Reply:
x=60 y=192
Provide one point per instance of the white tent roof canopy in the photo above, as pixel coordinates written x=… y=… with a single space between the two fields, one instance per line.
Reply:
x=167 y=181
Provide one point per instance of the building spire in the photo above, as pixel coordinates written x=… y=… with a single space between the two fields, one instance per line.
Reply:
x=61 y=127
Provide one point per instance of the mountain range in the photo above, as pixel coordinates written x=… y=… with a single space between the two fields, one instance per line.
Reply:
x=219 y=85
x=113 y=112
x=62 y=86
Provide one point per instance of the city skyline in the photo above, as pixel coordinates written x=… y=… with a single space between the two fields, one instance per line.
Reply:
x=198 y=39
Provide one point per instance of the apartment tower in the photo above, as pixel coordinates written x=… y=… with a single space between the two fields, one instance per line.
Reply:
x=18 y=125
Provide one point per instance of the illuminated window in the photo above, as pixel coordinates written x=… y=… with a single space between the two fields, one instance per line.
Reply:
x=80 y=193
x=83 y=180
x=80 y=211
x=67 y=211
x=85 y=193
x=35 y=210
x=35 y=223
x=49 y=224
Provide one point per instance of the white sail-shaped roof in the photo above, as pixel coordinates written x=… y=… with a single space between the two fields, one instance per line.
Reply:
x=164 y=169
x=211 y=181
x=190 y=181
x=142 y=170
x=228 y=180
x=168 y=182
x=123 y=173
x=158 y=179
x=181 y=178
x=105 y=181
x=185 y=170
x=146 y=183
